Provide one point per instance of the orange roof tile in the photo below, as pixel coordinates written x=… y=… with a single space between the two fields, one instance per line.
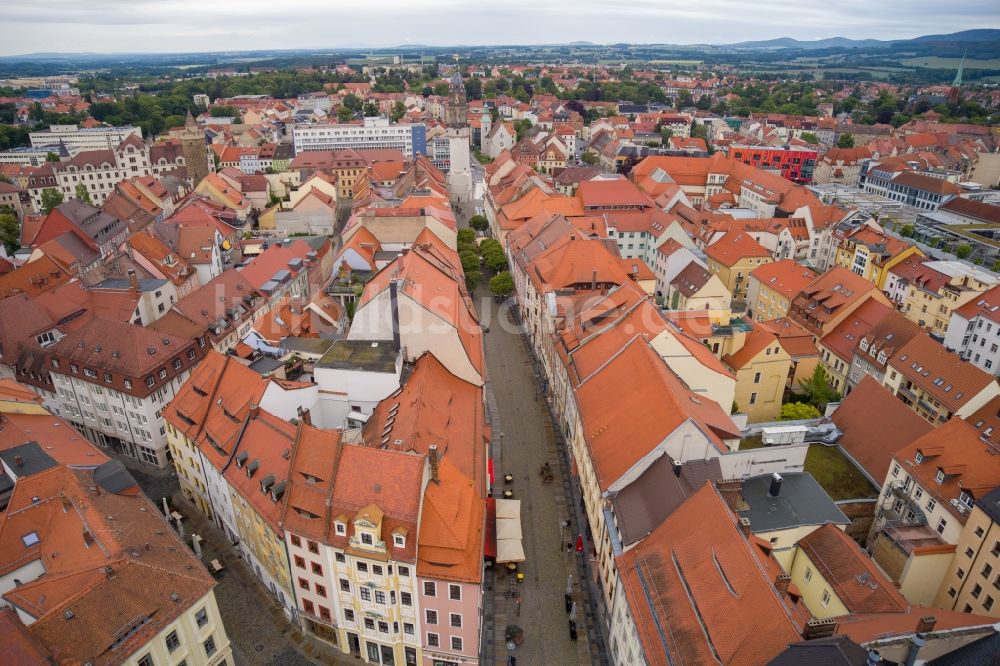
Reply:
x=734 y=246
x=787 y=277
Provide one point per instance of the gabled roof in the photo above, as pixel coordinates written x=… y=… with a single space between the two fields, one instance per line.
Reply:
x=734 y=246
x=875 y=426
x=844 y=338
x=623 y=428
x=787 y=277
x=700 y=592
x=928 y=365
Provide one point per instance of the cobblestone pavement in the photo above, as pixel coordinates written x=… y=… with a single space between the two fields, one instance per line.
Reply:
x=523 y=441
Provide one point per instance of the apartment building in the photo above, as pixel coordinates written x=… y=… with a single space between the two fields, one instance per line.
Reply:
x=376 y=132
x=84 y=138
x=935 y=289
x=122 y=588
x=974 y=331
x=935 y=383
x=112 y=380
x=872 y=253
x=732 y=257
x=773 y=286
x=972 y=583
x=924 y=508
x=830 y=299
x=897 y=181
x=100 y=169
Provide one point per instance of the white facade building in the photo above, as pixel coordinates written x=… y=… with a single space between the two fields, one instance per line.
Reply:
x=375 y=132
x=84 y=138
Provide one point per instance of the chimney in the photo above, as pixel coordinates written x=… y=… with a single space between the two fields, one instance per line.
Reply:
x=816 y=628
x=677 y=469
x=254 y=410
x=745 y=526
x=18 y=461
x=926 y=624
x=874 y=658
x=781 y=583
x=731 y=491
x=394 y=307
x=133 y=279
x=775 y=488
x=305 y=416
x=109 y=571
x=432 y=459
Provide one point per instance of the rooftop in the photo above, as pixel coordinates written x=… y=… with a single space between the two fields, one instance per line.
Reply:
x=366 y=355
x=800 y=502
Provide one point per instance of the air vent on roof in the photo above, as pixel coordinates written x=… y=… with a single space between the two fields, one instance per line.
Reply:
x=241 y=458
x=266 y=483
x=80 y=344
x=166 y=341
x=69 y=615
x=252 y=467
x=150 y=350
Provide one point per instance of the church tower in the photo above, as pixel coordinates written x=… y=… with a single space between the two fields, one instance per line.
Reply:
x=456 y=113
x=192 y=140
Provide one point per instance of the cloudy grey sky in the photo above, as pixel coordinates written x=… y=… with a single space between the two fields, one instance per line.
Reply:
x=219 y=25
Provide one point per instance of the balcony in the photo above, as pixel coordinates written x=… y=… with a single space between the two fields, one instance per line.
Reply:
x=909 y=396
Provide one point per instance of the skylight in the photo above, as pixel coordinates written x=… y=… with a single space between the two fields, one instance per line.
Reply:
x=30 y=539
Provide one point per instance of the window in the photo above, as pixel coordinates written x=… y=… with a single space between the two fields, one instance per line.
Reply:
x=825 y=599
x=340 y=557
x=345 y=585
x=753 y=398
x=408 y=628
x=300 y=562
x=942 y=524
x=177 y=364
x=296 y=541
x=73 y=368
x=456 y=643
x=320 y=590
x=969 y=552
x=308 y=607
x=146 y=660
x=809 y=574
x=405 y=599
x=303 y=583
x=432 y=640
x=431 y=616
x=377 y=569
x=324 y=612
x=939 y=477
x=87 y=372
x=405 y=571
x=456 y=620
x=363 y=567
x=340 y=528
x=379 y=597
x=455 y=592
x=977 y=589
x=383 y=627
x=369 y=623
x=366 y=538
x=366 y=594
x=349 y=615
x=201 y=617
x=430 y=589
x=399 y=540
x=163 y=374
x=150 y=381
x=979 y=532
x=952 y=592
x=756 y=377
x=128 y=383
x=317 y=569
x=172 y=641
x=931 y=503
x=210 y=646
x=960 y=573
x=988 y=602
x=314 y=548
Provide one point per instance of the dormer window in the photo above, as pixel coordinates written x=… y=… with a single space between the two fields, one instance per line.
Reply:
x=864 y=344
x=366 y=539
x=340 y=528
x=399 y=541
x=940 y=476
x=966 y=500
x=919 y=458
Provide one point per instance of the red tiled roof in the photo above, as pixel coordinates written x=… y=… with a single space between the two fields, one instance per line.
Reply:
x=734 y=246
x=787 y=277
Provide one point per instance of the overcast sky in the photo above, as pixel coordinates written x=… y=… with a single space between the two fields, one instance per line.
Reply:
x=219 y=25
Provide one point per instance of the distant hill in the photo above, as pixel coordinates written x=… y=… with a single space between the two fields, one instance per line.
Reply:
x=984 y=37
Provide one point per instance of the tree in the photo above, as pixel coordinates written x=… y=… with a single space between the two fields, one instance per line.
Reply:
x=521 y=127
x=963 y=251
x=427 y=91
x=470 y=260
x=398 y=111
x=907 y=231
x=502 y=284
x=472 y=278
x=479 y=222
x=224 y=112
x=845 y=141
x=371 y=110
x=344 y=114
x=82 y=193
x=10 y=230
x=809 y=137
x=51 y=157
x=589 y=157
x=797 y=411
x=818 y=390
x=51 y=198
x=496 y=260
x=466 y=236
x=352 y=102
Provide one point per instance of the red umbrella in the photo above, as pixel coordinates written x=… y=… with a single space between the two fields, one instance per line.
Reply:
x=579 y=543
